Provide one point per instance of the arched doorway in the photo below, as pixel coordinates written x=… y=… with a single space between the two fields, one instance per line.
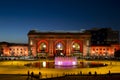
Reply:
x=59 y=49
x=77 y=48
x=42 y=49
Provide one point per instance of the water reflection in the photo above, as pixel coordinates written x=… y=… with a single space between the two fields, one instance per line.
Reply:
x=45 y=64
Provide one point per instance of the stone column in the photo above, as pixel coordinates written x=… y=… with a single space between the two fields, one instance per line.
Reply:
x=51 y=47
x=68 y=47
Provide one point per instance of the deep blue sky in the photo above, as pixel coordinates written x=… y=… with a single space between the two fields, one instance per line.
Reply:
x=17 y=17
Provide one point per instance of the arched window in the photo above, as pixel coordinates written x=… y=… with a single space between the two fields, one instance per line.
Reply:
x=59 y=46
x=76 y=47
x=42 y=47
x=59 y=49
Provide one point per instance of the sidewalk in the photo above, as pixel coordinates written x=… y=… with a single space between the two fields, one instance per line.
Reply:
x=12 y=77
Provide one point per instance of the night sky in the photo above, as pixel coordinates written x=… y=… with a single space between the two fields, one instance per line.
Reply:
x=17 y=17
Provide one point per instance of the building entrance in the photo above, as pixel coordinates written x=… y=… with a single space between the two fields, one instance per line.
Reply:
x=60 y=49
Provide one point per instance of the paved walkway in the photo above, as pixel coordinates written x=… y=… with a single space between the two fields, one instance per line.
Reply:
x=13 y=77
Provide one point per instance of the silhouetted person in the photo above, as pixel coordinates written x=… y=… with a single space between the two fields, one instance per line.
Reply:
x=109 y=73
x=32 y=75
x=89 y=73
x=95 y=73
x=40 y=75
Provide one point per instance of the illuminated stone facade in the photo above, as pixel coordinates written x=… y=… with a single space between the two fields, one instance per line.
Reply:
x=13 y=49
x=58 y=43
x=95 y=43
x=104 y=51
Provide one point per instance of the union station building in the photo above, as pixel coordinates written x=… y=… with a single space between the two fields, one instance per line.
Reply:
x=95 y=43
x=58 y=43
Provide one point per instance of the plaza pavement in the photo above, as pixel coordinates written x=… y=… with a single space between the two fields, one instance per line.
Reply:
x=17 y=67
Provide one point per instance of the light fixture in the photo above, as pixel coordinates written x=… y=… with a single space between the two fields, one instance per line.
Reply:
x=73 y=46
x=44 y=46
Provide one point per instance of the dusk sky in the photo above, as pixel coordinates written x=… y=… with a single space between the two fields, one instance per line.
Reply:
x=17 y=17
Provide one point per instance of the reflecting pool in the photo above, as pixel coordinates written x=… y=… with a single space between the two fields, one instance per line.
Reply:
x=51 y=64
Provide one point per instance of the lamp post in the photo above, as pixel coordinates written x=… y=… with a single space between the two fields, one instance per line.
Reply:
x=73 y=49
x=88 y=47
x=44 y=48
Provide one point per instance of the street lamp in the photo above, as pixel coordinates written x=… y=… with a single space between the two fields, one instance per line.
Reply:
x=44 y=48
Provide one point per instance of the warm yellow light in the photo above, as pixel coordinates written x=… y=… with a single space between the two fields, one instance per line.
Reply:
x=31 y=43
x=73 y=46
x=44 y=64
x=44 y=46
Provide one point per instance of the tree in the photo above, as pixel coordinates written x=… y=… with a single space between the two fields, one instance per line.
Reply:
x=117 y=54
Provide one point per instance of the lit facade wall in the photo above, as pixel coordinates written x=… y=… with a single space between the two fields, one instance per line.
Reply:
x=52 y=43
x=5 y=50
x=104 y=50
x=18 y=51
x=13 y=50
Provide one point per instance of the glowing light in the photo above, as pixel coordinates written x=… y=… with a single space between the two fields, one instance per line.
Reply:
x=61 y=54
x=65 y=61
x=87 y=43
x=44 y=64
x=31 y=43
x=73 y=46
x=59 y=46
x=59 y=63
x=74 y=63
x=44 y=46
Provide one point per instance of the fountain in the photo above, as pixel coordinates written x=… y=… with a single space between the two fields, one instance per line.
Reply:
x=65 y=61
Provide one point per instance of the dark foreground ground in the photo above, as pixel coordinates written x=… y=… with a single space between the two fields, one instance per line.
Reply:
x=13 y=77
x=67 y=77
x=88 y=77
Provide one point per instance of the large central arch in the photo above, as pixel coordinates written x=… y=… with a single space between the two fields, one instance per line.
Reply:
x=59 y=48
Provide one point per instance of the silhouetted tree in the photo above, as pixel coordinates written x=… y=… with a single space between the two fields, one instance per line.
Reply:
x=117 y=54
